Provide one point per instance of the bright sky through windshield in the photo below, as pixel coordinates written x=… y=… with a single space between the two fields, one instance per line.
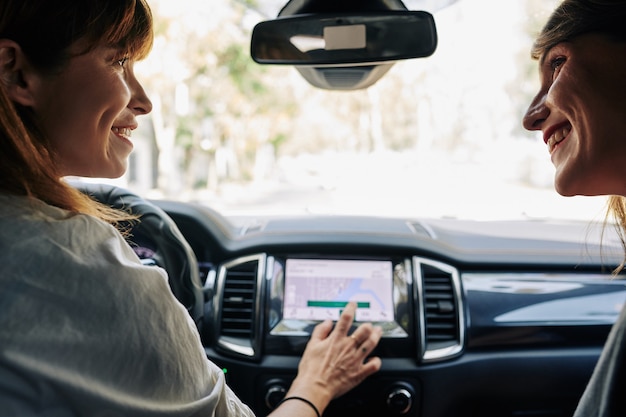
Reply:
x=466 y=157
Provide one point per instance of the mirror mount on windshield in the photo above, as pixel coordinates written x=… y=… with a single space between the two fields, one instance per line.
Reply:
x=344 y=49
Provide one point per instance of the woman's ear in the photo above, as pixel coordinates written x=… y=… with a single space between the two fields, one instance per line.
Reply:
x=15 y=73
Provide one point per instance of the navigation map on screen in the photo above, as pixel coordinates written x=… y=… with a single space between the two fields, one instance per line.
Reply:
x=318 y=289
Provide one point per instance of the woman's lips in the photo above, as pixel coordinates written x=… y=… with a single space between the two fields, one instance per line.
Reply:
x=557 y=137
x=124 y=132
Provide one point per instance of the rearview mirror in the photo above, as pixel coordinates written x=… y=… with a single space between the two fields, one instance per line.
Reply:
x=344 y=39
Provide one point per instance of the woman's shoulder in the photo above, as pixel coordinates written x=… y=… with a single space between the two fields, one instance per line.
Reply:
x=25 y=210
x=72 y=258
x=27 y=221
x=40 y=238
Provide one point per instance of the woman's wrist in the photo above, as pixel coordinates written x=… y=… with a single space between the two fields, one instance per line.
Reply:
x=303 y=400
x=310 y=391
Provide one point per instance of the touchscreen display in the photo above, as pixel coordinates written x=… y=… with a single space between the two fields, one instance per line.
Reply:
x=319 y=289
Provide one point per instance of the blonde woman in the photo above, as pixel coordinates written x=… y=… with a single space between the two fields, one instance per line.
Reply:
x=581 y=111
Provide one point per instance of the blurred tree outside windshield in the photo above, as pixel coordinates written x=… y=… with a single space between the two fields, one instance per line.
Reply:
x=435 y=137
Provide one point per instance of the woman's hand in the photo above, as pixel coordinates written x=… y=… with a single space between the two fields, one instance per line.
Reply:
x=334 y=362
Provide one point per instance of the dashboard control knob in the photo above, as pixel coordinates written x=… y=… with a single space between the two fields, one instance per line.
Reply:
x=400 y=400
x=274 y=394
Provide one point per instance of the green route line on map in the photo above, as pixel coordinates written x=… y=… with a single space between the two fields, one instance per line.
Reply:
x=335 y=304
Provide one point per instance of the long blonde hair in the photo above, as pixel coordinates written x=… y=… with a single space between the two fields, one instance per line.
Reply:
x=45 y=29
x=617 y=210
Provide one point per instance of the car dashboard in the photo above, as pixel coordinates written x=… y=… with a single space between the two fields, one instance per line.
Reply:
x=503 y=318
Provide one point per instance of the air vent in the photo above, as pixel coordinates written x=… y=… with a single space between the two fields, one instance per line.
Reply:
x=239 y=283
x=441 y=324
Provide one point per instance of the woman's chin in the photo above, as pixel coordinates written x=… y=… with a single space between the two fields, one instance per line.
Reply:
x=563 y=188
x=114 y=174
x=112 y=171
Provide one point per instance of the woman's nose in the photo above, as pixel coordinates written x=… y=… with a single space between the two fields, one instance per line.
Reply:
x=140 y=103
x=536 y=114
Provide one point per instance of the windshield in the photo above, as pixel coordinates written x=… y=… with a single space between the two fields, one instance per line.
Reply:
x=435 y=137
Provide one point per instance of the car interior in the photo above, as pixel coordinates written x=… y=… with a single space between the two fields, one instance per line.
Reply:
x=480 y=318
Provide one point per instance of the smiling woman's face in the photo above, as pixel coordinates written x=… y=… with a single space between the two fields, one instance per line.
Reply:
x=581 y=110
x=88 y=110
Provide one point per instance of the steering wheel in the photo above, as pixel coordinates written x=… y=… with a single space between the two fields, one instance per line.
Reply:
x=156 y=239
